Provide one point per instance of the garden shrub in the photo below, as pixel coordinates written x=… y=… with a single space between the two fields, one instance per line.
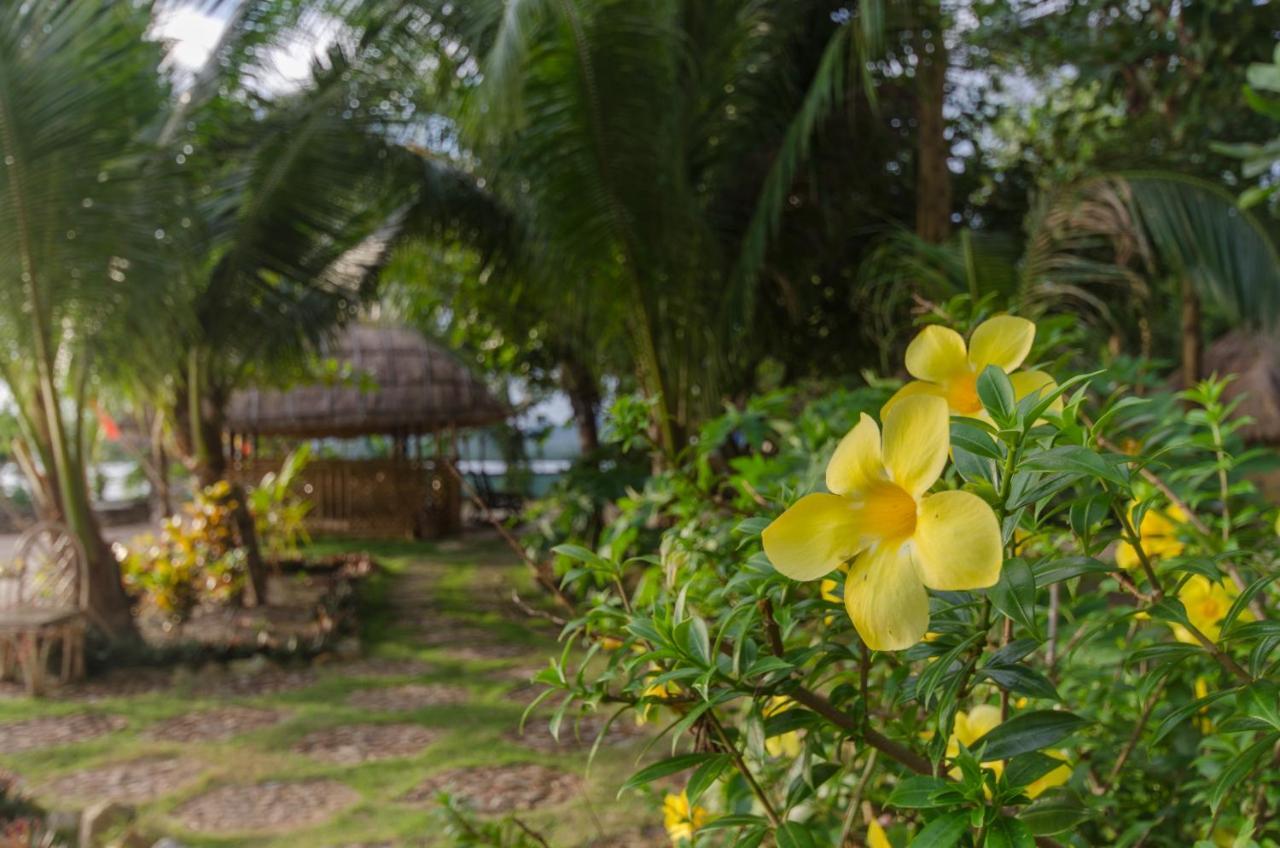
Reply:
x=1094 y=662
x=196 y=558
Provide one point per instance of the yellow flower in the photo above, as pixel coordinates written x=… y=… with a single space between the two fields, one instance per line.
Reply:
x=945 y=368
x=1207 y=603
x=785 y=744
x=981 y=720
x=1202 y=691
x=659 y=691
x=899 y=539
x=876 y=837
x=681 y=818
x=1158 y=533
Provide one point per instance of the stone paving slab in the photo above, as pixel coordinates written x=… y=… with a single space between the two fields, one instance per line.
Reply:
x=131 y=782
x=499 y=789
x=352 y=744
x=266 y=807
x=54 y=731
x=216 y=725
x=412 y=696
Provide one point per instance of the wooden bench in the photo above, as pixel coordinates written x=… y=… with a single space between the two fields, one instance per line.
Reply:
x=43 y=603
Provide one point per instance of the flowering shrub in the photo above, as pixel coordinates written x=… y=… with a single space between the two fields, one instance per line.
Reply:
x=194 y=559
x=958 y=614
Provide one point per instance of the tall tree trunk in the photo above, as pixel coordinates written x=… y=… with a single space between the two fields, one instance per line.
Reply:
x=203 y=411
x=933 y=179
x=1192 y=344
x=583 y=389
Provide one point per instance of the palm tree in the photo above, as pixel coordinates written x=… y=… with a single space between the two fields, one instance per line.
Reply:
x=647 y=150
x=1105 y=240
x=80 y=261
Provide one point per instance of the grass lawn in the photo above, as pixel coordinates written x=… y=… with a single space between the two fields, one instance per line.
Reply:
x=438 y=617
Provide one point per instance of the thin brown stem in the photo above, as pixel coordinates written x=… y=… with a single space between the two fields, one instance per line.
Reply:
x=741 y=765
x=1134 y=738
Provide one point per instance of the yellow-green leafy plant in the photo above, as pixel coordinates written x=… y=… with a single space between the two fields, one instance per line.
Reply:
x=193 y=560
x=964 y=617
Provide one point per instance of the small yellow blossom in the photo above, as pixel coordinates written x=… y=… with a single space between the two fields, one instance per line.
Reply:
x=978 y=722
x=899 y=539
x=1202 y=691
x=659 y=691
x=1207 y=603
x=944 y=367
x=784 y=744
x=681 y=818
x=1158 y=533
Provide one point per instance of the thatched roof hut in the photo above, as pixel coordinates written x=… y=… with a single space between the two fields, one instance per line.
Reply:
x=1254 y=360
x=392 y=381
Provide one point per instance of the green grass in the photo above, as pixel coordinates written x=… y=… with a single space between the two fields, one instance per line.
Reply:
x=470 y=579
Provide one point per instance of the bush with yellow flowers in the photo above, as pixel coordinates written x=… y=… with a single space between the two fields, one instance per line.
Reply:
x=194 y=559
x=1000 y=606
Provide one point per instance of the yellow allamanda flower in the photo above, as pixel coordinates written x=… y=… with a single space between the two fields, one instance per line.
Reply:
x=784 y=744
x=899 y=539
x=978 y=722
x=1201 y=690
x=876 y=837
x=944 y=367
x=681 y=818
x=1207 y=603
x=1158 y=533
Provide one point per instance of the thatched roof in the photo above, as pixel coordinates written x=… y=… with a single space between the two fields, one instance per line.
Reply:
x=398 y=382
x=1255 y=361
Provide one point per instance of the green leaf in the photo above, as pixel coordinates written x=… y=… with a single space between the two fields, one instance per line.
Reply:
x=1079 y=460
x=664 y=768
x=1261 y=700
x=974 y=440
x=945 y=831
x=917 y=793
x=1048 y=572
x=725 y=822
x=1054 y=815
x=1006 y=832
x=705 y=775
x=1182 y=713
x=1027 y=768
x=996 y=393
x=1027 y=732
x=1239 y=768
x=1022 y=680
x=794 y=835
x=1015 y=594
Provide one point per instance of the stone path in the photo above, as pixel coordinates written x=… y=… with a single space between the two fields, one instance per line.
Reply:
x=265 y=756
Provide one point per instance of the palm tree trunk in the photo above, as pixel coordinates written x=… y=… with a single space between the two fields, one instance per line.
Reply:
x=933 y=179
x=1192 y=342
x=205 y=415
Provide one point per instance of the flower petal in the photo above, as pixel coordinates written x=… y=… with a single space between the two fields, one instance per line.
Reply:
x=813 y=537
x=957 y=542
x=1003 y=341
x=1057 y=777
x=915 y=387
x=936 y=353
x=886 y=600
x=857 y=463
x=917 y=437
x=1026 y=382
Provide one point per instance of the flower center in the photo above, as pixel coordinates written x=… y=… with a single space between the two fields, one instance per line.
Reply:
x=962 y=393
x=890 y=512
x=1209 y=610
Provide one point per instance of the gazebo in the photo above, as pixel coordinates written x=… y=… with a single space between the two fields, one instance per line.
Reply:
x=393 y=383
